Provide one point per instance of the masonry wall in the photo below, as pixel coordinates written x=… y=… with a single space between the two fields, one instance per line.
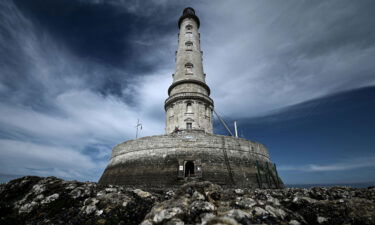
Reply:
x=200 y=116
x=156 y=161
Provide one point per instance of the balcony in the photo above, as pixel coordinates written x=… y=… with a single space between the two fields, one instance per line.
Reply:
x=189 y=95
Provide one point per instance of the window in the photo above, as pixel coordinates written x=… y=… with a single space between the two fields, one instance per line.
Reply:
x=189 y=68
x=189 y=45
x=189 y=126
x=189 y=27
x=188 y=108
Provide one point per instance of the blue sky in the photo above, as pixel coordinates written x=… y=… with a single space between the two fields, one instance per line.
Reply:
x=298 y=76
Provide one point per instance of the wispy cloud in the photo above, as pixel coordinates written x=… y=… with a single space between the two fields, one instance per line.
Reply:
x=344 y=165
x=58 y=103
x=54 y=118
x=277 y=54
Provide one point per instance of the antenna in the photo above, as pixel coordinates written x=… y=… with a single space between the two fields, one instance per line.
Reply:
x=235 y=129
x=138 y=125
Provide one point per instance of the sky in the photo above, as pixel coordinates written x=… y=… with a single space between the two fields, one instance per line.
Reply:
x=296 y=75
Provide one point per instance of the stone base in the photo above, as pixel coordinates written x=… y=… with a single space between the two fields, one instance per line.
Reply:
x=173 y=159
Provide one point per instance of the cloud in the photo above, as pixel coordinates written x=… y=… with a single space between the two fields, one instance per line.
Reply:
x=55 y=103
x=273 y=55
x=344 y=165
x=22 y=157
x=77 y=83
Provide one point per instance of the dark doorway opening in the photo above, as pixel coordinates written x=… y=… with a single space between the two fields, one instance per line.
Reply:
x=189 y=169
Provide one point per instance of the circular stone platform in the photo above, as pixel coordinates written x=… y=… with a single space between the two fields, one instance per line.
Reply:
x=169 y=160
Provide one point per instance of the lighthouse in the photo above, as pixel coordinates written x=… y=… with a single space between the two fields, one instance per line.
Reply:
x=189 y=106
x=189 y=150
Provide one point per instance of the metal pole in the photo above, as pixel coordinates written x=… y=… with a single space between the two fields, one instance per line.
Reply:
x=138 y=125
x=235 y=129
x=223 y=122
x=136 y=133
x=277 y=175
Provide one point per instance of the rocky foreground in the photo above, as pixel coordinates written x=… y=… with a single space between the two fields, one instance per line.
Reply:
x=36 y=200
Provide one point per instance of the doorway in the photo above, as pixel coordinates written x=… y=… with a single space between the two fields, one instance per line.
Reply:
x=189 y=169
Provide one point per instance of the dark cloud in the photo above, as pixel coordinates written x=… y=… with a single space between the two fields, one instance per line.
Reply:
x=102 y=32
x=76 y=75
x=112 y=45
x=329 y=26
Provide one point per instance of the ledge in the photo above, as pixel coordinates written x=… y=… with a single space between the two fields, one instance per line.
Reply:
x=188 y=95
x=189 y=81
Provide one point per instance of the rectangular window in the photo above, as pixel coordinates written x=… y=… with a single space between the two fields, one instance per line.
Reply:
x=189 y=126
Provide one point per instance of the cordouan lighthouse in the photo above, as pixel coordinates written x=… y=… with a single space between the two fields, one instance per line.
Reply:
x=189 y=105
x=189 y=150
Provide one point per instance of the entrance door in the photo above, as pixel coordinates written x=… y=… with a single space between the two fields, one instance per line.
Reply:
x=189 y=169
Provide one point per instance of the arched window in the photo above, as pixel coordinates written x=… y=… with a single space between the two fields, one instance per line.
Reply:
x=189 y=27
x=189 y=43
x=188 y=107
x=189 y=68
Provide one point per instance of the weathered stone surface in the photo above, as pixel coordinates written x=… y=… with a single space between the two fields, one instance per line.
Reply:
x=36 y=200
x=160 y=161
x=189 y=105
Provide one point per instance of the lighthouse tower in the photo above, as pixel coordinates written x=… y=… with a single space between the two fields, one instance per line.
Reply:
x=194 y=152
x=189 y=106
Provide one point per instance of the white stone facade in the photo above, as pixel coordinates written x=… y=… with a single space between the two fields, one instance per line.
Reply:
x=189 y=105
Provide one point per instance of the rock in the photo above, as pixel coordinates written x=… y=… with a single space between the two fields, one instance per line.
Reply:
x=240 y=216
x=294 y=222
x=175 y=222
x=36 y=200
x=303 y=200
x=321 y=219
x=205 y=217
x=50 y=198
x=89 y=206
x=28 y=207
x=239 y=191
x=101 y=221
x=146 y=222
x=111 y=189
x=257 y=211
x=142 y=194
x=38 y=189
x=169 y=194
x=222 y=221
x=245 y=203
x=200 y=206
x=198 y=196
x=167 y=214
x=273 y=200
x=276 y=212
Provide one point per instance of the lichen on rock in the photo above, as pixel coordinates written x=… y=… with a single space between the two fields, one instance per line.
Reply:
x=36 y=200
